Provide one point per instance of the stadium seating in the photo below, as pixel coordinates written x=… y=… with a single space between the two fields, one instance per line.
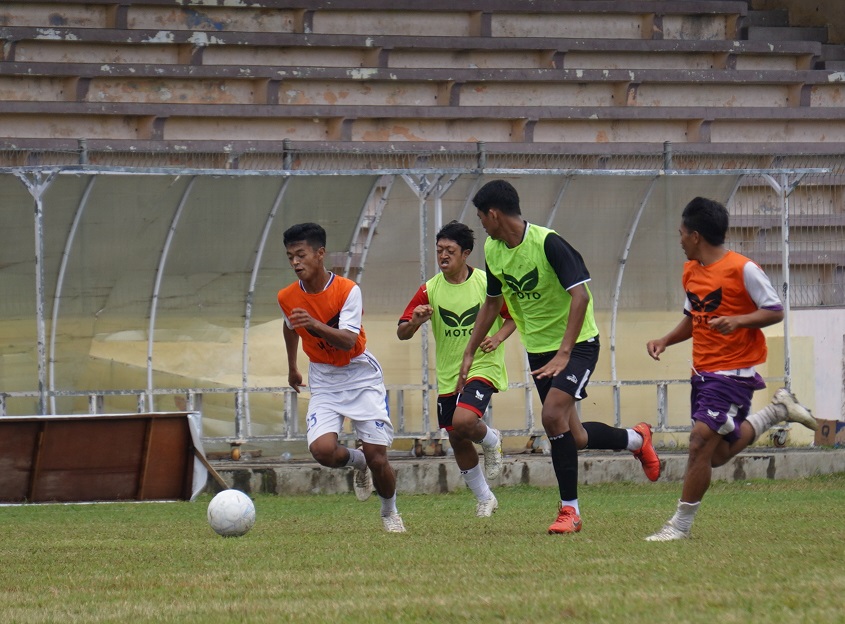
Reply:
x=171 y=79
x=700 y=72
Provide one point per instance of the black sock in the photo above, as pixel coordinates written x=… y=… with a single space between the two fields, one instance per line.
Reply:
x=602 y=436
x=565 y=462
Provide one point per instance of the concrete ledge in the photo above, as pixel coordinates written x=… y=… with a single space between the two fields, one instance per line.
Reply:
x=440 y=475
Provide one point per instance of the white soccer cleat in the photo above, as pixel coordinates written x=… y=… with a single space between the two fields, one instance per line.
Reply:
x=795 y=412
x=393 y=523
x=485 y=508
x=493 y=457
x=669 y=533
x=362 y=483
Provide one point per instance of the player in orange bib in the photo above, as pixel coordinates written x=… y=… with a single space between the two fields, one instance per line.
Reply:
x=323 y=311
x=728 y=300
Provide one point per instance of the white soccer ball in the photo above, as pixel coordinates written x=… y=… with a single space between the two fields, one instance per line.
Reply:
x=231 y=513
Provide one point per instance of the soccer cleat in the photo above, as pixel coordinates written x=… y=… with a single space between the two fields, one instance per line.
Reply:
x=669 y=533
x=493 y=458
x=795 y=412
x=362 y=483
x=393 y=523
x=567 y=521
x=485 y=508
x=647 y=455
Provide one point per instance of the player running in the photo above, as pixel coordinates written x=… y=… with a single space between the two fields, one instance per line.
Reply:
x=728 y=300
x=451 y=300
x=544 y=281
x=324 y=310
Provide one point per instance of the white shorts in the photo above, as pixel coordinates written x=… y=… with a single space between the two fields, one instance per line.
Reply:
x=365 y=407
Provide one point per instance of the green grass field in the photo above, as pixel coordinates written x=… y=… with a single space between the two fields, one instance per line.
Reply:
x=763 y=551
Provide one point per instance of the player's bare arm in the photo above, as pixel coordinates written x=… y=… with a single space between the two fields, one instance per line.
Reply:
x=755 y=320
x=483 y=322
x=577 y=313
x=681 y=332
x=292 y=348
x=342 y=339
x=491 y=343
x=422 y=313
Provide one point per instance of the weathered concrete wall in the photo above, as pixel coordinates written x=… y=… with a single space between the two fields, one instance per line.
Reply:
x=828 y=13
x=440 y=475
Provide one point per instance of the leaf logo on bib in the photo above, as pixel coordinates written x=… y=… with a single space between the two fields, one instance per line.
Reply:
x=524 y=285
x=465 y=319
x=709 y=303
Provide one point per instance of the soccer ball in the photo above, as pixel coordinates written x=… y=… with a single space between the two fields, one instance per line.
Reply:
x=231 y=513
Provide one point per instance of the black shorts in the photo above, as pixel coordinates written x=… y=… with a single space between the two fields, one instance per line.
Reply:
x=475 y=397
x=574 y=378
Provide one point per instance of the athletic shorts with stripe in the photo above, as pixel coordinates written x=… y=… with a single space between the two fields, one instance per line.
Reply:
x=475 y=397
x=574 y=378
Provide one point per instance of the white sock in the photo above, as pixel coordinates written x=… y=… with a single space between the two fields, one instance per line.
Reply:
x=476 y=482
x=635 y=440
x=684 y=515
x=388 y=505
x=357 y=459
x=572 y=503
x=490 y=438
x=766 y=418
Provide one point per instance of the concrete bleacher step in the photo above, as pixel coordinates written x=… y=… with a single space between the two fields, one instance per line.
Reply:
x=787 y=33
x=179 y=85
x=681 y=124
x=832 y=57
x=703 y=19
x=77 y=45
x=771 y=17
x=833 y=52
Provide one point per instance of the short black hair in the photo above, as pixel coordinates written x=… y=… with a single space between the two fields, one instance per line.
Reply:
x=498 y=194
x=311 y=233
x=458 y=232
x=707 y=217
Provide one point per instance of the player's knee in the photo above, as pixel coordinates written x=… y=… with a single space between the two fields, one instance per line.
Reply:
x=464 y=424
x=698 y=445
x=377 y=461
x=324 y=454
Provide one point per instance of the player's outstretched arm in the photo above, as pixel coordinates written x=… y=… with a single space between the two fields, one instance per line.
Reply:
x=681 y=332
x=406 y=330
x=491 y=343
x=577 y=314
x=755 y=320
x=342 y=339
x=292 y=348
x=483 y=322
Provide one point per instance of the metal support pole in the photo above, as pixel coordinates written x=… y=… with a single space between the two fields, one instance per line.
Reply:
x=424 y=333
x=784 y=189
x=667 y=156
x=37 y=186
x=250 y=295
x=162 y=261
x=57 y=297
x=632 y=231
x=784 y=207
x=558 y=199
x=662 y=406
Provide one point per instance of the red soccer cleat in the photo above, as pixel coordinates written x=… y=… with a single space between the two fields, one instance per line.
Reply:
x=567 y=521
x=647 y=455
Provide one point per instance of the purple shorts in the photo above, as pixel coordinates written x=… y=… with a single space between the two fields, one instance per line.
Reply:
x=722 y=401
